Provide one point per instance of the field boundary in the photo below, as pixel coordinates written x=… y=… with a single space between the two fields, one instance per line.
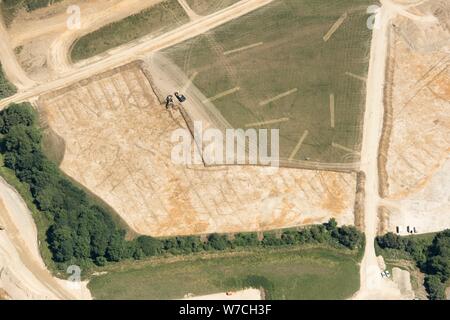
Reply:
x=283 y=162
x=387 y=119
x=359 y=209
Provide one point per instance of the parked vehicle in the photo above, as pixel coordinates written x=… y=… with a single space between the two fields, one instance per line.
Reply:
x=180 y=97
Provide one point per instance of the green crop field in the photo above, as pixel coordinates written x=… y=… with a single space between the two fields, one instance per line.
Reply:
x=205 y=7
x=155 y=20
x=276 y=65
x=285 y=273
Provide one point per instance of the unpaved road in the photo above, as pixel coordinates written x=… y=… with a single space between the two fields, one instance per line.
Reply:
x=22 y=272
x=11 y=66
x=53 y=19
x=373 y=286
x=373 y=125
x=136 y=49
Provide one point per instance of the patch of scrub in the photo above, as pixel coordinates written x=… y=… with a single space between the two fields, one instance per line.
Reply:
x=276 y=64
x=6 y=88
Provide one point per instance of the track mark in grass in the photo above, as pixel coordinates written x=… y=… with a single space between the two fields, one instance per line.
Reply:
x=338 y=146
x=243 y=48
x=258 y=124
x=189 y=82
x=222 y=94
x=335 y=26
x=191 y=14
x=285 y=94
x=332 y=110
x=299 y=144
x=355 y=76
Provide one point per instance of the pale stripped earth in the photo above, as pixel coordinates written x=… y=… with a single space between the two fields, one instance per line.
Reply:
x=417 y=189
x=118 y=145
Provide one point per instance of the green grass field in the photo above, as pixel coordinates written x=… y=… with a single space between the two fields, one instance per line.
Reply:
x=155 y=20
x=285 y=273
x=288 y=53
x=205 y=7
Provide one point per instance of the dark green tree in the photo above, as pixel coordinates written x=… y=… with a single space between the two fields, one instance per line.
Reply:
x=149 y=245
x=217 y=242
x=435 y=288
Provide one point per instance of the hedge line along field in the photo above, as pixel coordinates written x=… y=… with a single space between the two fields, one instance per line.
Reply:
x=156 y=20
x=285 y=273
x=274 y=65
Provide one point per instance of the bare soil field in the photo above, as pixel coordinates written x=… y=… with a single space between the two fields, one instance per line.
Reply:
x=23 y=274
x=42 y=38
x=205 y=7
x=118 y=144
x=158 y=19
x=414 y=159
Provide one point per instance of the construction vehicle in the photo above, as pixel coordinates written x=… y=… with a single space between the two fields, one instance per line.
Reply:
x=169 y=101
x=180 y=97
x=386 y=274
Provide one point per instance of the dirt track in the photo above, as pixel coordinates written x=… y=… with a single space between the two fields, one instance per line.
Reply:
x=134 y=50
x=11 y=67
x=372 y=284
x=371 y=280
x=45 y=39
x=130 y=167
x=414 y=160
x=23 y=274
x=58 y=55
x=247 y=294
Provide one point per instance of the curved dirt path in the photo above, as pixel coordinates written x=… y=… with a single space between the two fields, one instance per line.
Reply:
x=23 y=274
x=58 y=54
x=10 y=65
x=138 y=49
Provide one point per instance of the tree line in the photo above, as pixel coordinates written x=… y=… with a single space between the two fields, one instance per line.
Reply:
x=433 y=258
x=81 y=232
x=6 y=88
